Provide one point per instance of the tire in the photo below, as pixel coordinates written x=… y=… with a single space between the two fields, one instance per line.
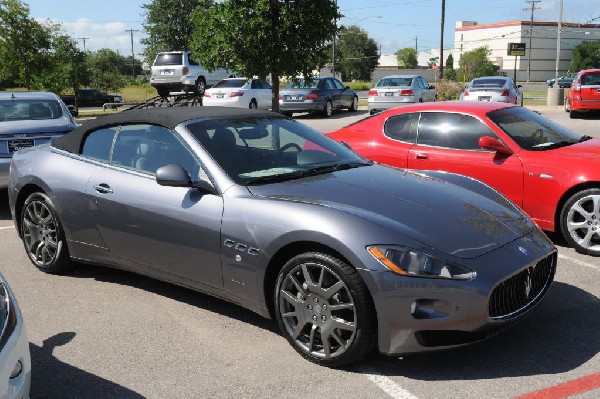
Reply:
x=253 y=104
x=328 y=109
x=200 y=86
x=163 y=91
x=573 y=114
x=287 y=113
x=308 y=287
x=354 y=106
x=580 y=221
x=42 y=234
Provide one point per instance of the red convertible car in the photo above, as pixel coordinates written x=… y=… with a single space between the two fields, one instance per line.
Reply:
x=550 y=172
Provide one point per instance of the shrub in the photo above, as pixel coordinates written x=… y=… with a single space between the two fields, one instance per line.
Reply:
x=448 y=90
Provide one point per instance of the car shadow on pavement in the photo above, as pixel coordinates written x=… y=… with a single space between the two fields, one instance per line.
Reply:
x=52 y=378
x=560 y=335
x=4 y=208
x=174 y=292
x=336 y=115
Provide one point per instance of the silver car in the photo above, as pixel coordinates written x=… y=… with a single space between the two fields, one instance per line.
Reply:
x=317 y=96
x=28 y=119
x=395 y=90
x=15 y=360
x=263 y=211
x=493 y=88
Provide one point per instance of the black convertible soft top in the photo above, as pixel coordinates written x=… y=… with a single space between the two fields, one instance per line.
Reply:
x=168 y=117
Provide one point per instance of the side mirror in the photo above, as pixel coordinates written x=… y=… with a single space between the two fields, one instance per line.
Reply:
x=492 y=144
x=173 y=175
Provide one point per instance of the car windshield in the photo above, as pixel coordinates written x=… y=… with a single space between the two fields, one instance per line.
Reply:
x=169 y=59
x=478 y=83
x=304 y=84
x=259 y=150
x=14 y=110
x=385 y=82
x=531 y=131
x=230 y=83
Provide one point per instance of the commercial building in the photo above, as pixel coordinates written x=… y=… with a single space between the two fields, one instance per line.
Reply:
x=540 y=38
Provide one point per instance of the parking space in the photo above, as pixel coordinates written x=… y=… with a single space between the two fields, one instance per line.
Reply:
x=101 y=333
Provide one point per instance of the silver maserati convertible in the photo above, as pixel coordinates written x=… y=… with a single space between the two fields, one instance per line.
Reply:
x=263 y=211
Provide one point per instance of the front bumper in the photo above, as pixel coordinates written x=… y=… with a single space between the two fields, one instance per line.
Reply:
x=421 y=314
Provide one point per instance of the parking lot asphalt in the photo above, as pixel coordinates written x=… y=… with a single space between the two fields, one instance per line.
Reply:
x=101 y=333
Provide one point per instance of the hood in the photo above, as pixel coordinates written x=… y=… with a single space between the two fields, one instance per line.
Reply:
x=587 y=150
x=436 y=212
x=59 y=125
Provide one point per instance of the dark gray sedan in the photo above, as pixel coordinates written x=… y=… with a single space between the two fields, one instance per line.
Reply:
x=265 y=212
x=28 y=119
x=318 y=95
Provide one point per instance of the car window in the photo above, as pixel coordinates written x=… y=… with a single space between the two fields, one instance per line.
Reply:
x=591 y=79
x=230 y=83
x=13 y=110
x=394 y=82
x=148 y=147
x=304 y=84
x=97 y=144
x=166 y=59
x=398 y=127
x=250 y=149
x=530 y=130
x=338 y=84
x=482 y=83
x=451 y=130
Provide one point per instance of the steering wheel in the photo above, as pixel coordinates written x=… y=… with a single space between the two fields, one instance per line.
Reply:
x=283 y=149
x=539 y=137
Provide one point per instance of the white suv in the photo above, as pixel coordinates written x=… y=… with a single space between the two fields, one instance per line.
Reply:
x=177 y=71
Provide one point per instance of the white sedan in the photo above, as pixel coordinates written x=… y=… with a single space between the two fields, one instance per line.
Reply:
x=493 y=88
x=240 y=93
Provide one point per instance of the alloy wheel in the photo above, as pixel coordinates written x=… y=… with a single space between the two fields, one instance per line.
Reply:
x=583 y=222
x=317 y=310
x=40 y=233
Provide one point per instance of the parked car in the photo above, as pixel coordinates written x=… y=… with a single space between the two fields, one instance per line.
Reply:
x=15 y=359
x=317 y=95
x=27 y=119
x=584 y=94
x=240 y=93
x=175 y=71
x=493 y=88
x=395 y=90
x=552 y=173
x=91 y=98
x=564 y=81
x=264 y=211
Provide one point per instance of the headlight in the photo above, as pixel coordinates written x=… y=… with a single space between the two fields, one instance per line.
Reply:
x=409 y=262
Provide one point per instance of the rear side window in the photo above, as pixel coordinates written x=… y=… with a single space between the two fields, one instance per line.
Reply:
x=97 y=144
x=398 y=127
x=166 y=59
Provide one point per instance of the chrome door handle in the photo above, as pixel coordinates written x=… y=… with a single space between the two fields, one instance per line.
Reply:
x=420 y=155
x=103 y=188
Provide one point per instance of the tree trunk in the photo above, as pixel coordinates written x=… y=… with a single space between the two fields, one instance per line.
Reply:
x=275 y=92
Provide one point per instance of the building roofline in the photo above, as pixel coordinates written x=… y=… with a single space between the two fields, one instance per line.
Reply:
x=523 y=23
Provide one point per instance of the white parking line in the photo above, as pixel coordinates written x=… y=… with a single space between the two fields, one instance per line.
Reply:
x=387 y=385
x=578 y=262
x=7 y=227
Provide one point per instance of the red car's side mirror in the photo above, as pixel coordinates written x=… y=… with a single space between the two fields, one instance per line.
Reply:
x=493 y=144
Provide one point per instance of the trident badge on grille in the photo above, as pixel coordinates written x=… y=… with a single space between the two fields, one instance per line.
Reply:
x=528 y=282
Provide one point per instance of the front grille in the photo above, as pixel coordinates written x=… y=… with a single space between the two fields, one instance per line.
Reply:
x=523 y=290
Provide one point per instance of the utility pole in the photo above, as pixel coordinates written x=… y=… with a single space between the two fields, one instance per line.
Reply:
x=441 y=67
x=333 y=45
x=132 y=53
x=416 y=44
x=532 y=8
x=83 y=39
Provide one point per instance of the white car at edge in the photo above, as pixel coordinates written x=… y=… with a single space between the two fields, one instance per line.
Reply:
x=240 y=93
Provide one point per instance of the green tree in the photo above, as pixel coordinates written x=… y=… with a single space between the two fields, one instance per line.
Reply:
x=108 y=69
x=586 y=55
x=407 y=58
x=262 y=37
x=475 y=63
x=449 y=71
x=24 y=43
x=358 y=54
x=66 y=67
x=168 y=25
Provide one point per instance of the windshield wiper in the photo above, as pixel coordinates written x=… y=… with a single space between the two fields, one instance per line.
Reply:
x=559 y=144
x=308 y=172
x=584 y=138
